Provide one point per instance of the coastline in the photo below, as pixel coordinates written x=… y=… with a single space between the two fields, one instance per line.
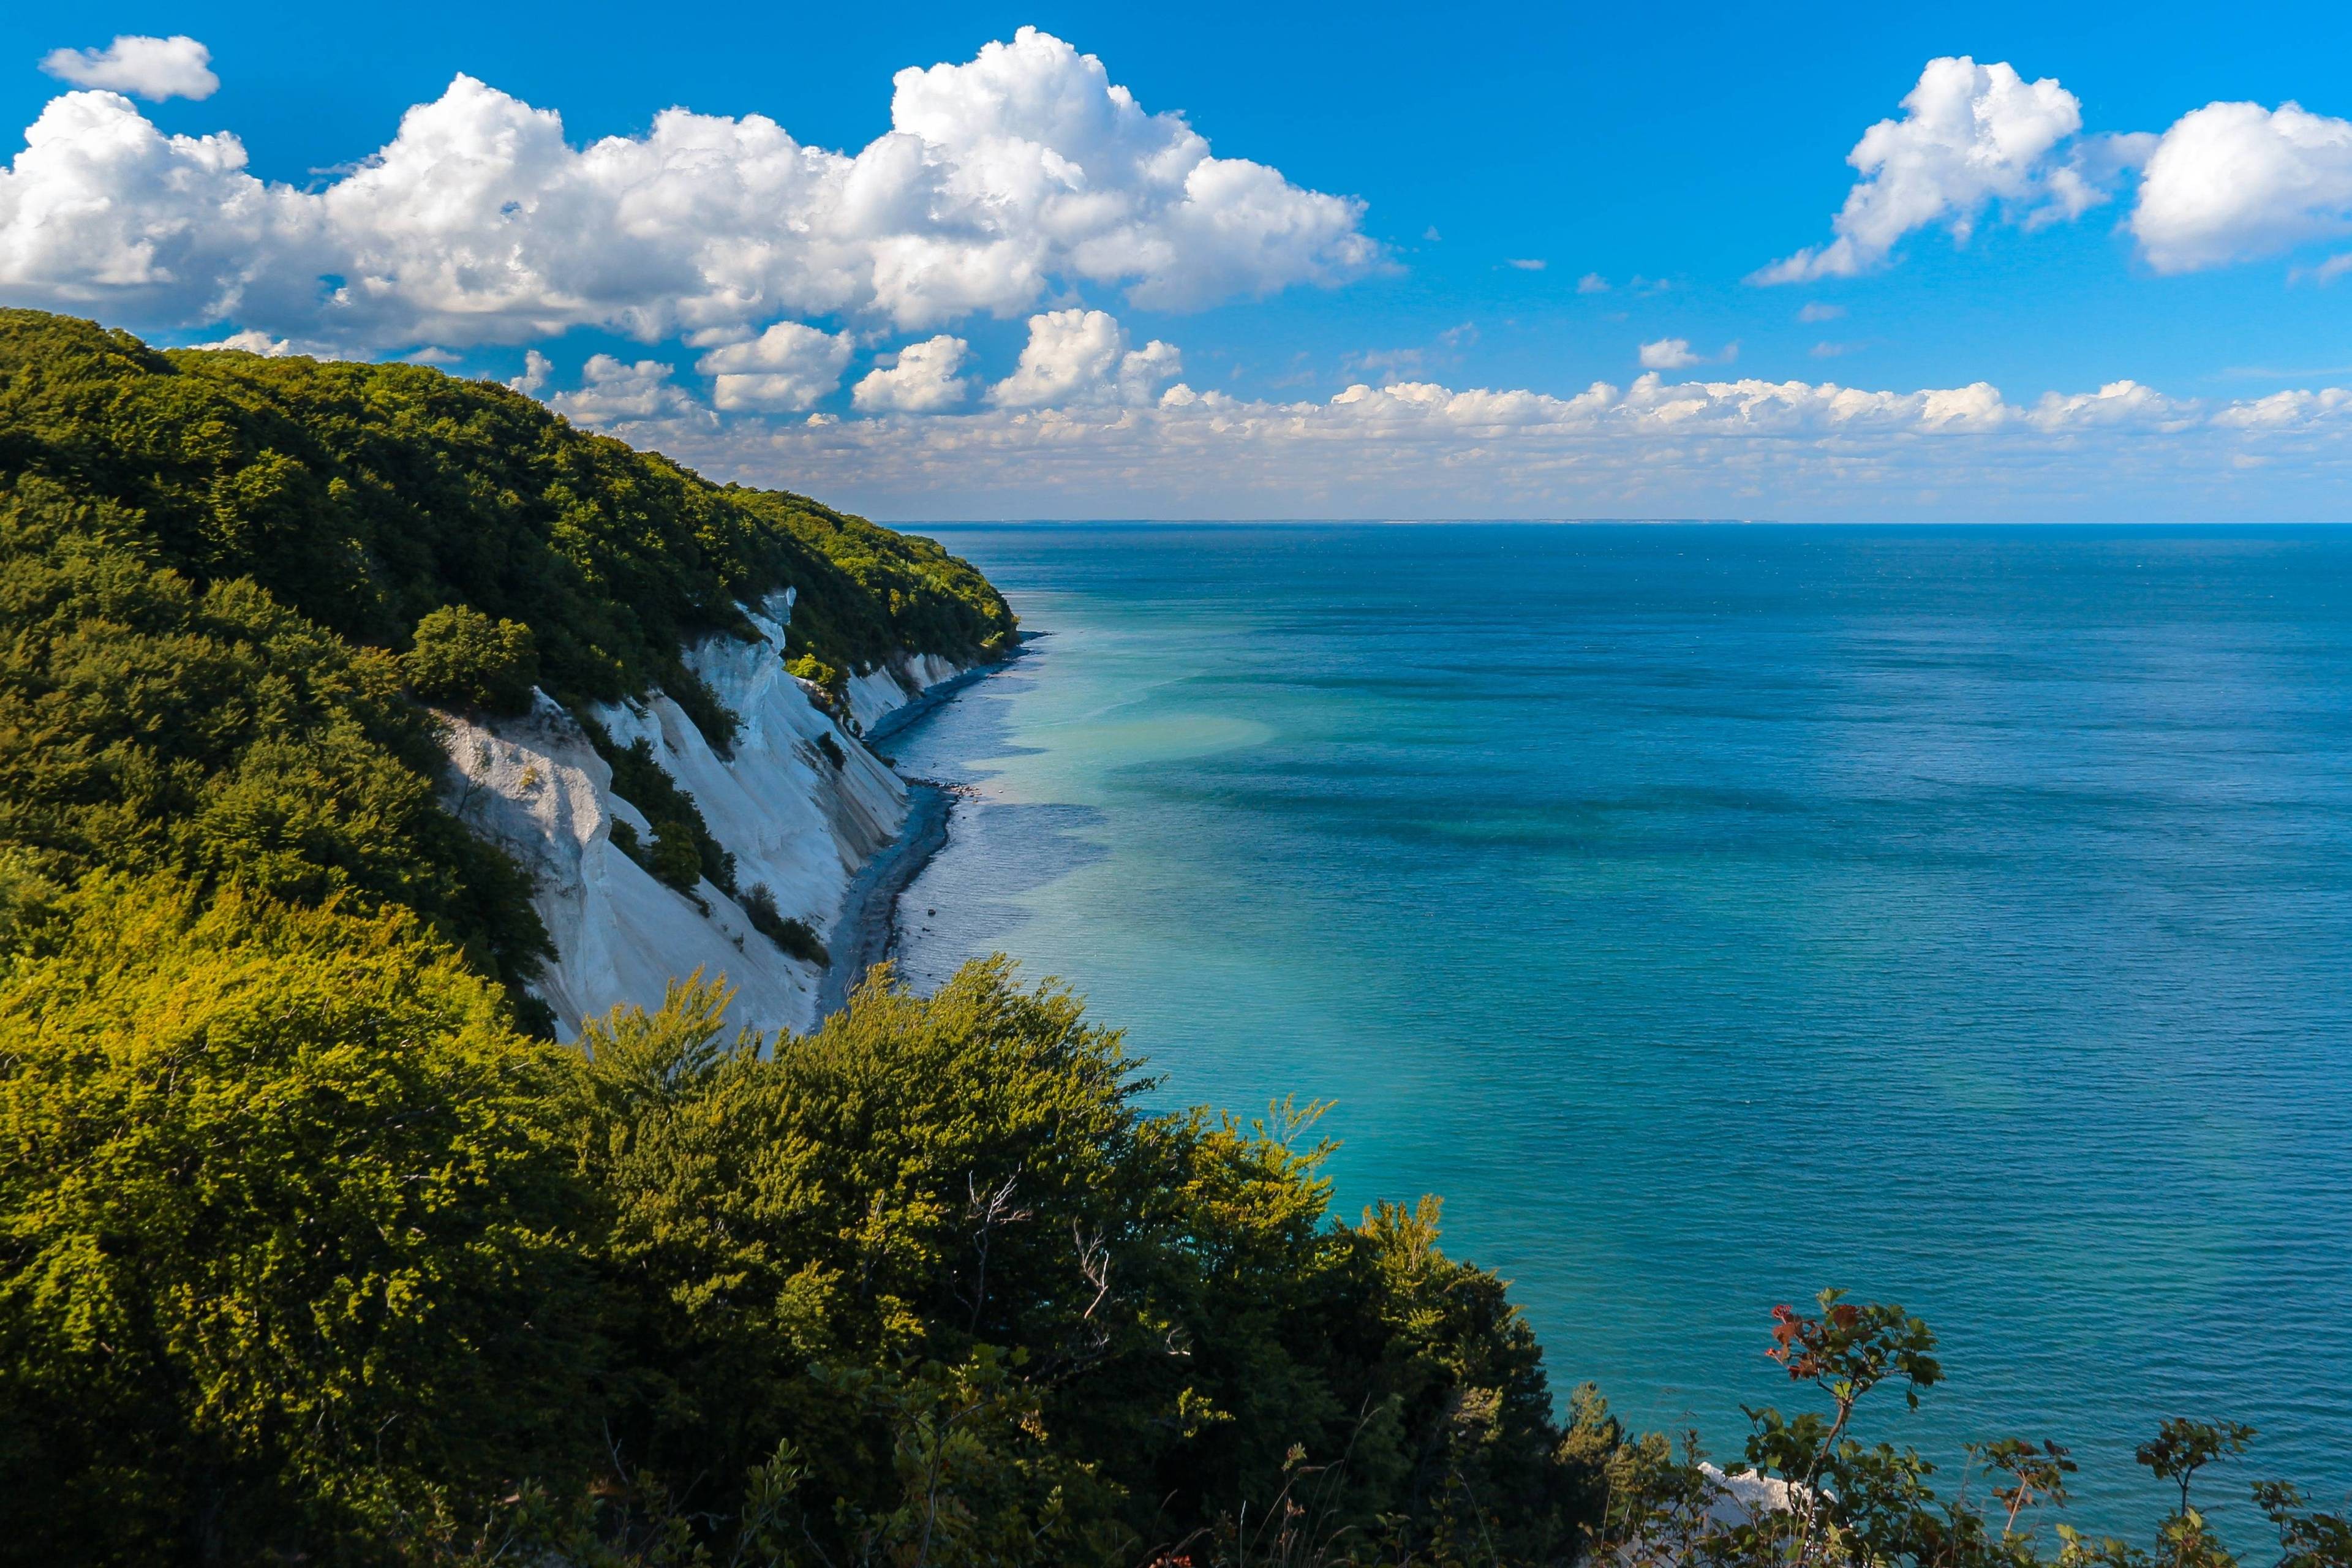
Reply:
x=867 y=926
x=867 y=930
x=930 y=699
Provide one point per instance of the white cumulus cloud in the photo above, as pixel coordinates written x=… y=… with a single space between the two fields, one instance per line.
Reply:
x=2289 y=410
x=2233 y=182
x=536 y=368
x=479 y=221
x=786 y=369
x=2227 y=183
x=2118 y=403
x=1971 y=135
x=1676 y=354
x=619 y=393
x=144 y=66
x=102 y=210
x=1082 y=357
x=925 y=378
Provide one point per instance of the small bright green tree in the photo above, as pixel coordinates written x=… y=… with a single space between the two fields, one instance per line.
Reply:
x=463 y=657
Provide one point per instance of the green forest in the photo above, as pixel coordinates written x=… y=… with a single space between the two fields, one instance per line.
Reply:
x=231 y=583
x=315 y=1248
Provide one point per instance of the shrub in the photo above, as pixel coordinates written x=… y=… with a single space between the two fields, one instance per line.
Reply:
x=684 y=852
x=790 y=932
x=462 y=657
x=832 y=687
x=674 y=858
x=717 y=722
x=1813 y=1495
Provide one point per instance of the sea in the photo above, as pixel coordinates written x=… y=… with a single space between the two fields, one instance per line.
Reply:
x=1711 y=914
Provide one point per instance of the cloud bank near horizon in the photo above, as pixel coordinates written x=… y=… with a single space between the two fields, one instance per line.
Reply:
x=1655 y=448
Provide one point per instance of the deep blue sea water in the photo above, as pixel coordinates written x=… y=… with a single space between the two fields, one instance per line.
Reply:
x=1961 y=916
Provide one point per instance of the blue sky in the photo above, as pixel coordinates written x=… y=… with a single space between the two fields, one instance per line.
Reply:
x=1672 y=160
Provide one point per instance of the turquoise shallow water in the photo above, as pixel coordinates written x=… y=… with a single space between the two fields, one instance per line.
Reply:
x=1957 y=915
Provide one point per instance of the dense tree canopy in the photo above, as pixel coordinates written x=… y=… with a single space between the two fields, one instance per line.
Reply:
x=148 y=723
x=302 y=1249
x=367 y=496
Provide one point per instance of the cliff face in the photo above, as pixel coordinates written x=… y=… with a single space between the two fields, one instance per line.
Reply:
x=877 y=694
x=796 y=821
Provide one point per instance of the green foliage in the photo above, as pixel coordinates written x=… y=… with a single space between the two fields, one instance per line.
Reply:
x=147 y=723
x=790 y=932
x=462 y=657
x=2181 y=1447
x=28 y=900
x=716 y=721
x=286 y=1252
x=2307 y=1539
x=683 y=851
x=833 y=685
x=366 y=496
x=937 y=1250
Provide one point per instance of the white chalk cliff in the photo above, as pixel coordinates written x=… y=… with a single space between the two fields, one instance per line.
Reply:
x=795 y=820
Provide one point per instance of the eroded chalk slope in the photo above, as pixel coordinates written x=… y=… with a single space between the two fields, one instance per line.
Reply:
x=799 y=801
